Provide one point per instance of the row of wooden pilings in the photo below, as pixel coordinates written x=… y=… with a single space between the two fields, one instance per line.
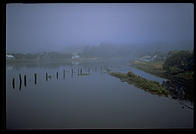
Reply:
x=25 y=80
x=80 y=72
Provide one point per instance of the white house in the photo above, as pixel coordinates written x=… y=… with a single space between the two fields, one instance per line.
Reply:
x=146 y=58
x=9 y=57
x=75 y=56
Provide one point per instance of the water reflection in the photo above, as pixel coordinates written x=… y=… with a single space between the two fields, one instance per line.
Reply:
x=81 y=69
x=74 y=71
x=103 y=97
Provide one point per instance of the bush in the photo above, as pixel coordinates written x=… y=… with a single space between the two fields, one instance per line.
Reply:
x=179 y=62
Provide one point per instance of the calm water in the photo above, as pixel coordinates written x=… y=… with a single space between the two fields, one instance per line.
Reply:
x=96 y=100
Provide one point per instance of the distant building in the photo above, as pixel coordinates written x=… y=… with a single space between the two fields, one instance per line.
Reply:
x=146 y=58
x=154 y=57
x=9 y=57
x=75 y=56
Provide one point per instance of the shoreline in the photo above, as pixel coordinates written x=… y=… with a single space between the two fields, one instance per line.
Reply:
x=177 y=84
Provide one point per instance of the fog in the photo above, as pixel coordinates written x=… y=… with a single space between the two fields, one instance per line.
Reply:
x=99 y=66
x=32 y=28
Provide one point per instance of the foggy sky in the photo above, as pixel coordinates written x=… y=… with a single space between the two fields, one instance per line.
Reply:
x=52 y=27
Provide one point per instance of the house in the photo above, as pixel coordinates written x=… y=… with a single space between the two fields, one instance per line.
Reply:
x=75 y=56
x=146 y=58
x=9 y=57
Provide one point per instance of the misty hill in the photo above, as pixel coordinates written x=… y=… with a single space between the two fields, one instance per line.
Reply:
x=134 y=50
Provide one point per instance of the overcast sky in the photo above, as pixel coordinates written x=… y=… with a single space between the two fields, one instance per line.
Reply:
x=47 y=27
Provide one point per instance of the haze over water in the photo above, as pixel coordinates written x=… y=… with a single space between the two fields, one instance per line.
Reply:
x=59 y=59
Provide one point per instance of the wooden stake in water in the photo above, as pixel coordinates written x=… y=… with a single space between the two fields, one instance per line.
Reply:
x=64 y=73
x=81 y=71
x=20 y=84
x=78 y=71
x=35 y=76
x=89 y=70
x=72 y=72
x=25 y=80
x=57 y=75
x=13 y=83
x=46 y=76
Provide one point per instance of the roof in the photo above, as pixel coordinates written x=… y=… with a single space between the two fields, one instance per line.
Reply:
x=9 y=56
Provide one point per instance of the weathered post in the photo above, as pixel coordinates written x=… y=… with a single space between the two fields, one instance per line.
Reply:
x=25 y=80
x=78 y=71
x=46 y=76
x=81 y=71
x=64 y=73
x=35 y=76
x=13 y=83
x=72 y=72
x=89 y=70
x=57 y=75
x=20 y=84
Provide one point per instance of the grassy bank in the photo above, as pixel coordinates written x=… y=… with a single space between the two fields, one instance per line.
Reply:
x=184 y=79
x=140 y=82
x=156 y=68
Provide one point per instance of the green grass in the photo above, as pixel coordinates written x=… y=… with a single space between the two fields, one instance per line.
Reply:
x=140 y=82
x=156 y=68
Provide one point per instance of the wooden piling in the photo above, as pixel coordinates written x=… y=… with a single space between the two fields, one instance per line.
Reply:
x=20 y=83
x=13 y=83
x=20 y=77
x=57 y=75
x=64 y=73
x=46 y=76
x=35 y=76
x=72 y=70
x=81 y=71
x=89 y=70
x=25 y=80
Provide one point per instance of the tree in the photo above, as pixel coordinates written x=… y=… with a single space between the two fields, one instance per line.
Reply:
x=178 y=62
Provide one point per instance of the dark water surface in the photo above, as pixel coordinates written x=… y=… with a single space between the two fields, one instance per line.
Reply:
x=92 y=100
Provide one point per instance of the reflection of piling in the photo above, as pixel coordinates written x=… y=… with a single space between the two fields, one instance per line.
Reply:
x=78 y=71
x=25 y=80
x=20 y=78
x=35 y=76
x=46 y=76
x=13 y=83
x=64 y=73
x=57 y=75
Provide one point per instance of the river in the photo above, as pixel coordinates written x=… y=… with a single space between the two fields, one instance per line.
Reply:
x=92 y=100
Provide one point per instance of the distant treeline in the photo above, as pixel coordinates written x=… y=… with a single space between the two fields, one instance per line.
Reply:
x=179 y=62
x=40 y=56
